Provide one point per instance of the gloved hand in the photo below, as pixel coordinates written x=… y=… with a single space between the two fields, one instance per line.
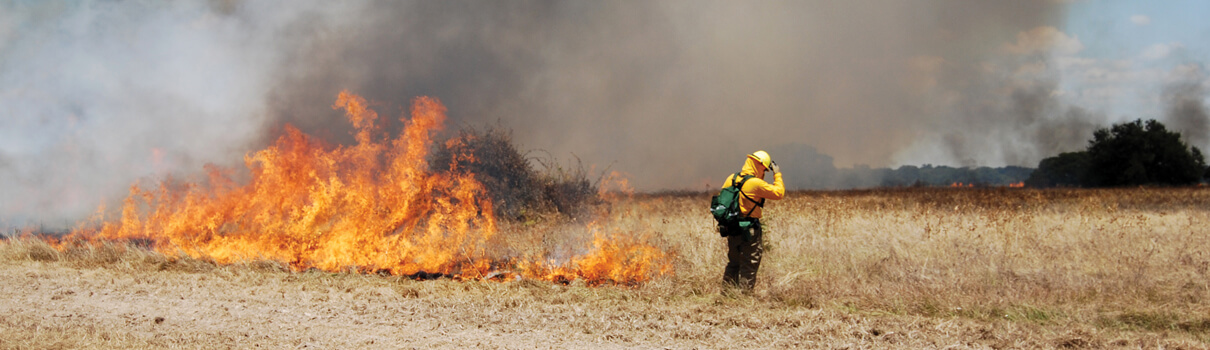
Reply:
x=776 y=169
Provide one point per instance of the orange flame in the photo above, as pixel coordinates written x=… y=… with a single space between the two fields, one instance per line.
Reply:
x=614 y=186
x=370 y=207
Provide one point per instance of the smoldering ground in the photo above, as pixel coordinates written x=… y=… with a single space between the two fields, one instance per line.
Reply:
x=97 y=95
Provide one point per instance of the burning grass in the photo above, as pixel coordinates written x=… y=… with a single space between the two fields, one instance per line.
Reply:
x=898 y=268
x=373 y=207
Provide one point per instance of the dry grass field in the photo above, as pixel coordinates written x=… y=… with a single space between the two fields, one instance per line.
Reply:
x=911 y=268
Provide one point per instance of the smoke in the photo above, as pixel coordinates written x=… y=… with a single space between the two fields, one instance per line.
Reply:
x=1184 y=98
x=676 y=93
x=96 y=95
x=1007 y=109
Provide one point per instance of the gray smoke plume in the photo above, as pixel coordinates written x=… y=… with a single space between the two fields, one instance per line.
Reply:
x=96 y=95
x=1005 y=109
x=1184 y=99
x=678 y=92
x=1029 y=123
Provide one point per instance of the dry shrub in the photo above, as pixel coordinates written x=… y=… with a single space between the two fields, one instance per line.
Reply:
x=496 y=162
x=522 y=187
x=567 y=188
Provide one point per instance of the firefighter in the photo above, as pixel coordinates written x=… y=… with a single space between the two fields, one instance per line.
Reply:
x=744 y=247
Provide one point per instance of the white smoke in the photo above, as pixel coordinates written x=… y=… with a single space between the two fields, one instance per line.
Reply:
x=97 y=94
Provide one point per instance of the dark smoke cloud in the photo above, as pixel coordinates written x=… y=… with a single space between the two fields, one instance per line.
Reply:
x=677 y=92
x=1184 y=99
x=95 y=95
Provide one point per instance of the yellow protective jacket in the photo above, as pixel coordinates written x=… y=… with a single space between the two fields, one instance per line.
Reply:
x=756 y=188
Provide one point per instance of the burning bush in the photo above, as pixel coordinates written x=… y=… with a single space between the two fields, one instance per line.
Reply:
x=501 y=169
x=517 y=189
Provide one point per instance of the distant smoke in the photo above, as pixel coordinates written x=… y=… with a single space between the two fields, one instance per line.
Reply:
x=1004 y=110
x=96 y=95
x=811 y=169
x=1028 y=124
x=1184 y=99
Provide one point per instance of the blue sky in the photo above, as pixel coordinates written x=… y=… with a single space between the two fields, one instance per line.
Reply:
x=1134 y=47
x=1116 y=28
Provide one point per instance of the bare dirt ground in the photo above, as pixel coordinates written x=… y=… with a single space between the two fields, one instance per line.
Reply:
x=56 y=305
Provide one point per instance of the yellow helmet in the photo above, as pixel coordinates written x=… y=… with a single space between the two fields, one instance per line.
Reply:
x=762 y=157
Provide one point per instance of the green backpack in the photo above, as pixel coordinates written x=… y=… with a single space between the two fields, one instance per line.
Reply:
x=725 y=207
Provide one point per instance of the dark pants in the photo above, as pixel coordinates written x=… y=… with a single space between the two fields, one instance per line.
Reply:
x=743 y=257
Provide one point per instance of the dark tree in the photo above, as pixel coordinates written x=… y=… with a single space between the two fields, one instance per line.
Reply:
x=1067 y=169
x=1138 y=153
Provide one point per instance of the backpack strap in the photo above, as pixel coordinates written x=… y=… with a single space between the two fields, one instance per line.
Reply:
x=760 y=203
x=742 y=179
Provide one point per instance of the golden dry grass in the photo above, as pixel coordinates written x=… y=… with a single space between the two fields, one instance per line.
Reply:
x=915 y=268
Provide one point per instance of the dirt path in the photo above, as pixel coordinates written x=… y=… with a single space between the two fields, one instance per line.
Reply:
x=49 y=305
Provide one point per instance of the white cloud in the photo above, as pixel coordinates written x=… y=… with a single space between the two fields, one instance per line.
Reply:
x=1044 y=39
x=1184 y=71
x=1140 y=20
x=1159 y=51
x=1119 y=87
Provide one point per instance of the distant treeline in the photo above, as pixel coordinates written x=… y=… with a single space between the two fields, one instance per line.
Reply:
x=1136 y=153
x=911 y=176
x=807 y=169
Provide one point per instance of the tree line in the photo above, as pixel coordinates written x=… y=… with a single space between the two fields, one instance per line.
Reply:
x=1134 y=153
